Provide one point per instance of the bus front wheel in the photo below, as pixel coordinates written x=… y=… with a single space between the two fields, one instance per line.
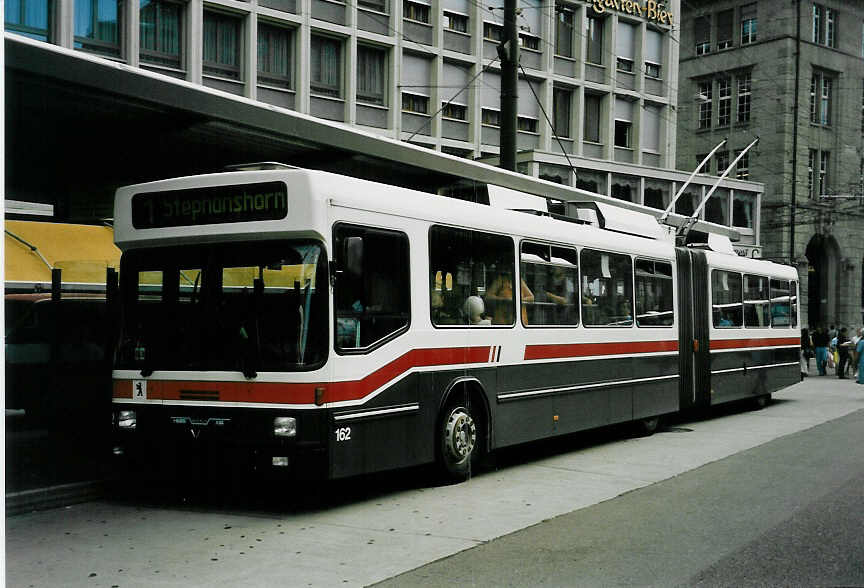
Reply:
x=458 y=442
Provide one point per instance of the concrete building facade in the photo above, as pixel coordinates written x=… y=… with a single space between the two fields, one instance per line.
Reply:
x=791 y=73
x=597 y=88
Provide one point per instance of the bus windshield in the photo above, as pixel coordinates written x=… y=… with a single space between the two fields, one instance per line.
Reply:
x=248 y=307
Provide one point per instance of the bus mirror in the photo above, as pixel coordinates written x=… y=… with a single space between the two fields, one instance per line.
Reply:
x=354 y=256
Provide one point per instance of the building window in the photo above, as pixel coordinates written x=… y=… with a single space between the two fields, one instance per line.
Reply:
x=623 y=123
x=222 y=40
x=722 y=160
x=650 y=123
x=30 y=18
x=526 y=124
x=529 y=42
x=702 y=30
x=491 y=117
x=654 y=198
x=275 y=56
x=622 y=192
x=454 y=111
x=824 y=26
x=97 y=26
x=416 y=103
x=703 y=168
x=742 y=168
x=625 y=43
x=748 y=24
x=704 y=98
x=653 y=53
x=561 y=101
x=493 y=32
x=371 y=68
x=591 y=119
x=455 y=22
x=820 y=99
x=161 y=26
x=415 y=11
x=744 y=94
x=564 y=30
x=326 y=66
x=724 y=102
x=378 y=5
x=743 y=206
x=594 y=37
x=725 y=29
x=823 y=171
x=811 y=168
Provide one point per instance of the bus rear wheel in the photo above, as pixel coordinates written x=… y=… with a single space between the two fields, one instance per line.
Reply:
x=646 y=427
x=458 y=442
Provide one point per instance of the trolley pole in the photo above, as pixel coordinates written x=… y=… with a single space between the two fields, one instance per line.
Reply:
x=508 y=52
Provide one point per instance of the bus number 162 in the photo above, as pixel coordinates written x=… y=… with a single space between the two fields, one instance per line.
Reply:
x=343 y=434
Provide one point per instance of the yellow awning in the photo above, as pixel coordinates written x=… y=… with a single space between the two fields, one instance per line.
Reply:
x=83 y=252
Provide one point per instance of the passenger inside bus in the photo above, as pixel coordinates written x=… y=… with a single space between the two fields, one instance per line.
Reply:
x=500 y=293
x=475 y=311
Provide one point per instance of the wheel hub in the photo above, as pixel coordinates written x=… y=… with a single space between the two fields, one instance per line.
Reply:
x=460 y=435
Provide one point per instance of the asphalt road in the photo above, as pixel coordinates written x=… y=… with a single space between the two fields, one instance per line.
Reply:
x=787 y=513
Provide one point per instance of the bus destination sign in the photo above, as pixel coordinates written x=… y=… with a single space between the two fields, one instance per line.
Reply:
x=212 y=205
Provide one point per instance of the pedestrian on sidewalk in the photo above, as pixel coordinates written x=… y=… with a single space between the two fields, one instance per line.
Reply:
x=820 y=343
x=806 y=349
x=855 y=355
x=842 y=353
x=859 y=349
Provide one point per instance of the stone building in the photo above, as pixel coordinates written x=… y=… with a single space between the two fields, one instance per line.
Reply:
x=791 y=73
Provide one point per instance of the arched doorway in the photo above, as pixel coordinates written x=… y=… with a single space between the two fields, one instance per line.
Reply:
x=822 y=257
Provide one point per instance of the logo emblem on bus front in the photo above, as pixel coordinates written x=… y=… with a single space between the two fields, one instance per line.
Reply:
x=196 y=425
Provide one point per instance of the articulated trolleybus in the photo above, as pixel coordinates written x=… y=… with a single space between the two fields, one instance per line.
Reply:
x=321 y=326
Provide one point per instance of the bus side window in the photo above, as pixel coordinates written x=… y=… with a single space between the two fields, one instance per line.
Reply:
x=372 y=291
x=467 y=263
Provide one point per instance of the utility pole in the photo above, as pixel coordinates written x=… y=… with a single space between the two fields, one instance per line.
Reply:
x=508 y=52
x=794 y=203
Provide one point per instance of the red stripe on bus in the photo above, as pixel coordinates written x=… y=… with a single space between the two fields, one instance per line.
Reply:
x=588 y=349
x=765 y=342
x=304 y=393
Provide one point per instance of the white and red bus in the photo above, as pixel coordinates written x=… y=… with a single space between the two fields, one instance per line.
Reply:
x=322 y=326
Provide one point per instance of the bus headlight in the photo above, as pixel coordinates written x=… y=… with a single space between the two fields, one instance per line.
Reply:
x=285 y=427
x=127 y=420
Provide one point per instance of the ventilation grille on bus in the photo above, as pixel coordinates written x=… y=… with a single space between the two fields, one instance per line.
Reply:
x=199 y=394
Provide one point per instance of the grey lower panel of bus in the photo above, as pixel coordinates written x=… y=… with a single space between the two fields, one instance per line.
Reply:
x=737 y=375
x=525 y=403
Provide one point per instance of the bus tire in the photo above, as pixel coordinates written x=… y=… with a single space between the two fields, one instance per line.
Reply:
x=646 y=427
x=761 y=401
x=459 y=441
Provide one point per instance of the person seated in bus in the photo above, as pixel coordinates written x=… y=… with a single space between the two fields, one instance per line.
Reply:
x=562 y=288
x=475 y=311
x=500 y=294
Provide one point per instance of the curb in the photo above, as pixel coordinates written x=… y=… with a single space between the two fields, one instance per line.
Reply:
x=53 y=496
